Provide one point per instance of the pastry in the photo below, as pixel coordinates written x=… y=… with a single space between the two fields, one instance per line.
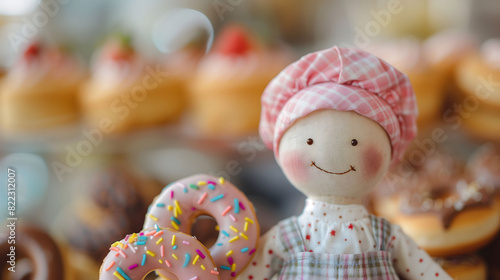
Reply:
x=29 y=252
x=485 y=167
x=428 y=82
x=445 y=211
x=466 y=267
x=456 y=218
x=181 y=202
x=127 y=92
x=476 y=78
x=437 y=170
x=40 y=91
x=112 y=208
x=445 y=49
x=225 y=92
x=172 y=254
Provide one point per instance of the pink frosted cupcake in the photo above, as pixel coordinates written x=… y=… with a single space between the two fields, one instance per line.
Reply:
x=226 y=90
x=127 y=92
x=40 y=91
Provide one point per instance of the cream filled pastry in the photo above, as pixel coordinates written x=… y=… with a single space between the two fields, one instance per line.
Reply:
x=127 y=92
x=226 y=90
x=40 y=91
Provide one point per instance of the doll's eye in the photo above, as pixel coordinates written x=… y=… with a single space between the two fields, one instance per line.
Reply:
x=354 y=142
x=310 y=141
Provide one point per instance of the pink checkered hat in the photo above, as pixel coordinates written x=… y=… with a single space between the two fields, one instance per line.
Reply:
x=345 y=80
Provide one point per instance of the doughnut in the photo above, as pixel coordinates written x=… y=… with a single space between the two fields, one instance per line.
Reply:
x=441 y=207
x=172 y=254
x=485 y=167
x=485 y=63
x=434 y=173
x=470 y=78
x=37 y=256
x=111 y=207
x=449 y=221
x=181 y=202
x=466 y=267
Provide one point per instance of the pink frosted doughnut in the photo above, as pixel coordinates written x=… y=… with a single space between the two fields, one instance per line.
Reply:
x=172 y=254
x=181 y=202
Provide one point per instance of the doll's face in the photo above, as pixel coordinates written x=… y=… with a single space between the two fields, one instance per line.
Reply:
x=329 y=153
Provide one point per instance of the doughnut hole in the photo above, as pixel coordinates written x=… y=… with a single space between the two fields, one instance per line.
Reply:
x=24 y=270
x=161 y=274
x=204 y=228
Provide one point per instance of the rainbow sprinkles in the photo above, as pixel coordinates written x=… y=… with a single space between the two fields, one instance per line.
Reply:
x=138 y=254
x=181 y=202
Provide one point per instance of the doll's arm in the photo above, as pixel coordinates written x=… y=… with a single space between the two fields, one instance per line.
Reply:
x=268 y=258
x=411 y=261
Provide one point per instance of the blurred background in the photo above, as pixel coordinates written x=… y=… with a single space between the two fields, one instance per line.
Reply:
x=103 y=103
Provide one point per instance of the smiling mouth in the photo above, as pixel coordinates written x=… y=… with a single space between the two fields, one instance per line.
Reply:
x=334 y=173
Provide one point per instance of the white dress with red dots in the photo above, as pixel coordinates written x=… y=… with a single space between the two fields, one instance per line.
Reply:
x=329 y=241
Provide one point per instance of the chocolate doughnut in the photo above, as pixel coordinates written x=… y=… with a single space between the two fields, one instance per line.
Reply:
x=434 y=174
x=113 y=208
x=465 y=267
x=37 y=256
x=456 y=218
x=116 y=189
x=485 y=168
x=444 y=209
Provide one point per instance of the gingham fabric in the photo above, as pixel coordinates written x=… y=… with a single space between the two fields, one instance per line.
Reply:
x=346 y=80
x=301 y=264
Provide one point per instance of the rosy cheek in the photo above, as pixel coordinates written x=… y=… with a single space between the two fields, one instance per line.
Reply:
x=372 y=160
x=294 y=166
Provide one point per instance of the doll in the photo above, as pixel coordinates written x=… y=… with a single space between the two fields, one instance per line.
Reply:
x=337 y=119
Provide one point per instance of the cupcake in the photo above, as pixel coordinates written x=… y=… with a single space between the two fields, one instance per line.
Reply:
x=409 y=57
x=127 y=92
x=184 y=62
x=225 y=92
x=476 y=78
x=445 y=49
x=40 y=91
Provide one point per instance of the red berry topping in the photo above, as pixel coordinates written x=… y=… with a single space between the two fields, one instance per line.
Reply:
x=118 y=48
x=117 y=55
x=32 y=51
x=233 y=40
